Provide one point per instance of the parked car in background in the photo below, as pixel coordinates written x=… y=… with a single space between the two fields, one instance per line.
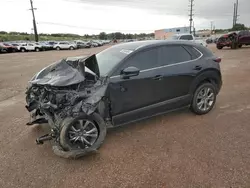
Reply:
x=94 y=44
x=45 y=45
x=188 y=37
x=122 y=84
x=223 y=41
x=25 y=47
x=234 y=39
x=7 y=47
x=82 y=44
x=209 y=41
x=64 y=46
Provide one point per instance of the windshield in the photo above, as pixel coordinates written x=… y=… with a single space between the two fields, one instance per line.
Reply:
x=109 y=58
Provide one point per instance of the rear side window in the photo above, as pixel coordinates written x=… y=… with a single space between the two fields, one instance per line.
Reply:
x=143 y=60
x=173 y=54
x=193 y=52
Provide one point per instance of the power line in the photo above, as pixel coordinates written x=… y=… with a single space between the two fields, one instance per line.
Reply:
x=34 y=20
x=191 y=15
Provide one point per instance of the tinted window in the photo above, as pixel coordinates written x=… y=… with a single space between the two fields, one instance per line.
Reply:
x=194 y=53
x=186 y=37
x=173 y=54
x=143 y=60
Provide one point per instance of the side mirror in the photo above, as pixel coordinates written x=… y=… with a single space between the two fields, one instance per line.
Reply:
x=130 y=72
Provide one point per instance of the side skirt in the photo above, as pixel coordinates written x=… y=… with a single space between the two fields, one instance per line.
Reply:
x=152 y=110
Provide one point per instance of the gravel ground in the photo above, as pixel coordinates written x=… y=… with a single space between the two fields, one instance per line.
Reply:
x=174 y=150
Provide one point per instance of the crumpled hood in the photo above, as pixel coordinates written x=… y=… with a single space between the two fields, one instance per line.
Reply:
x=67 y=72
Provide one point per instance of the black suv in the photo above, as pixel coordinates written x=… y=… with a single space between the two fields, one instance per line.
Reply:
x=81 y=97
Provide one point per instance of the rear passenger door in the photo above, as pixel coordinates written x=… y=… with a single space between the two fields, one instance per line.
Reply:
x=179 y=67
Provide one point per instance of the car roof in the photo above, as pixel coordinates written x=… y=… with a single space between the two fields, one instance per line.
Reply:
x=151 y=43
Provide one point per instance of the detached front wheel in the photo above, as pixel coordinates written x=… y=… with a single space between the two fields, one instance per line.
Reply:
x=83 y=134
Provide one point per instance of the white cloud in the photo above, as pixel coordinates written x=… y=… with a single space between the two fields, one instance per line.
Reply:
x=82 y=16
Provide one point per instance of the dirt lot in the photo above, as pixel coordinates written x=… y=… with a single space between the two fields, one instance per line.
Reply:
x=174 y=150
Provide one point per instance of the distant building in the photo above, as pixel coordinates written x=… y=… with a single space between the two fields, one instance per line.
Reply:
x=166 y=33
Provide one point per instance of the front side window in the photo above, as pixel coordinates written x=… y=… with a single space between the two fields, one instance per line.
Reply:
x=173 y=54
x=143 y=60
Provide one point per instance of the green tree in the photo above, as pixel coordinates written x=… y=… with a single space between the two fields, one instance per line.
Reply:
x=238 y=27
x=103 y=36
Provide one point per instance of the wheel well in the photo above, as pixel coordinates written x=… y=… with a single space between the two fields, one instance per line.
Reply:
x=209 y=80
x=209 y=77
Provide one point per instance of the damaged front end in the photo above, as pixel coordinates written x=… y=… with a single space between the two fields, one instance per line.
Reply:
x=67 y=89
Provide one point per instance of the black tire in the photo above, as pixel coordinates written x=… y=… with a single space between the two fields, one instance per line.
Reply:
x=79 y=152
x=240 y=46
x=71 y=48
x=219 y=47
x=37 y=49
x=194 y=104
x=22 y=50
x=58 y=48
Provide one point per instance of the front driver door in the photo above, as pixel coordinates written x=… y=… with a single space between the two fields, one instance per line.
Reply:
x=130 y=98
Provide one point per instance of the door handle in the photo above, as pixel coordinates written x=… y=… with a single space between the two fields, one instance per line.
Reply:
x=197 y=67
x=158 y=77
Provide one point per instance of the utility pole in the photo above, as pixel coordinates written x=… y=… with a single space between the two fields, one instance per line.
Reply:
x=34 y=20
x=193 y=29
x=236 y=11
x=234 y=17
x=191 y=15
x=211 y=27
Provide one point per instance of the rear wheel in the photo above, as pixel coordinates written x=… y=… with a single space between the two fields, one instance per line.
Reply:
x=37 y=49
x=219 y=47
x=71 y=48
x=58 y=48
x=204 y=99
x=83 y=134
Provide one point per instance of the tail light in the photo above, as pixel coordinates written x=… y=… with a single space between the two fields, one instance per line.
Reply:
x=218 y=60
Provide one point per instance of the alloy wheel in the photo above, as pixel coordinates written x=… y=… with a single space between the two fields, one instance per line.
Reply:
x=205 y=99
x=83 y=134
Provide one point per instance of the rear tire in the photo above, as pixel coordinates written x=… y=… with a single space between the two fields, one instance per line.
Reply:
x=71 y=48
x=81 y=148
x=58 y=48
x=219 y=47
x=37 y=49
x=204 y=99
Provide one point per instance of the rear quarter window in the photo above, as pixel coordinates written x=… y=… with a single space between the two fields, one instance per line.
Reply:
x=193 y=52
